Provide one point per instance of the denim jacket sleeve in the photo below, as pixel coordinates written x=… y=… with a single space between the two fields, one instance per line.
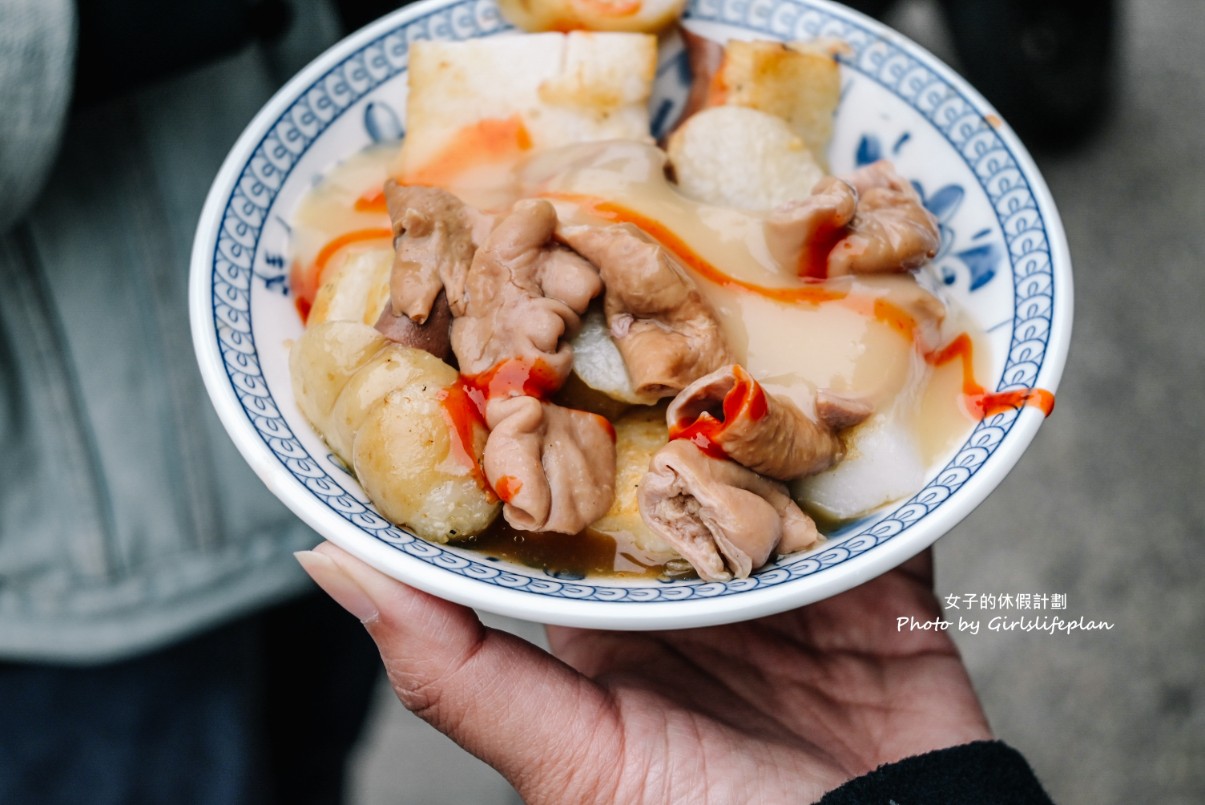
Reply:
x=127 y=519
x=37 y=47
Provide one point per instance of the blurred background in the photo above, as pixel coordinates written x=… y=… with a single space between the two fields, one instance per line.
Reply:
x=1108 y=506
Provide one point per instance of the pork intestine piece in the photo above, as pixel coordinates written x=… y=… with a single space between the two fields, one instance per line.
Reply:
x=524 y=296
x=433 y=335
x=871 y=221
x=665 y=330
x=435 y=237
x=553 y=467
x=892 y=230
x=725 y=519
x=765 y=432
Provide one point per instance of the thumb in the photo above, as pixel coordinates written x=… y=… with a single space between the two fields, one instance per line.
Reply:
x=530 y=716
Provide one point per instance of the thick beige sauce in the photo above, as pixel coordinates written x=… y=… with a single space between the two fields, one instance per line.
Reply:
x=343 y=201
x=791 y=346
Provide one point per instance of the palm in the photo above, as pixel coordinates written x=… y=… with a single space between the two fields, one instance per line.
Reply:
x=773 y=710
x=827 y=692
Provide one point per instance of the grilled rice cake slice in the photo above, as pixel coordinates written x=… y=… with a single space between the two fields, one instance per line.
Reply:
x=799 y=82
x=481 y=102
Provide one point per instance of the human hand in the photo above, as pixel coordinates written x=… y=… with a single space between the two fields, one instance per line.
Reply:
x=781 y=709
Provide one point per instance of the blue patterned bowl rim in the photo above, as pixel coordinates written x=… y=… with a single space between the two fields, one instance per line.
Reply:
x=222 y=285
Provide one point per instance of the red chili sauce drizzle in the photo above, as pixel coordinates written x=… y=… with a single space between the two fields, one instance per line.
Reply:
x=514 y=377
x=507 y=487
x=591 y=553
x=814 y=291
x=813 y=260
x=464 y=408
x=306 y=280
x=982 y=403
x=706 y=431
x=463 y=415
x=586 y=554
x=372 y=201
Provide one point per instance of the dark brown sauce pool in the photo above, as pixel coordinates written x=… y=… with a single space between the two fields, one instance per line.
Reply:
x=564 y=556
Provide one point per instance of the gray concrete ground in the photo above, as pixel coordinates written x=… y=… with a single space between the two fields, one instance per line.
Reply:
x=1106 y=509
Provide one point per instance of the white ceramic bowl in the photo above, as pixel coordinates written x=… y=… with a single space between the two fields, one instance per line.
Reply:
x=1003 y=256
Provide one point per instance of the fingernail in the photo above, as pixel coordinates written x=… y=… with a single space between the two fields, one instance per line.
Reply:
x=335 y=582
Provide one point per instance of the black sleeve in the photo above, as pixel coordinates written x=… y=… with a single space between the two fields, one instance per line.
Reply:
x=987 y=772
